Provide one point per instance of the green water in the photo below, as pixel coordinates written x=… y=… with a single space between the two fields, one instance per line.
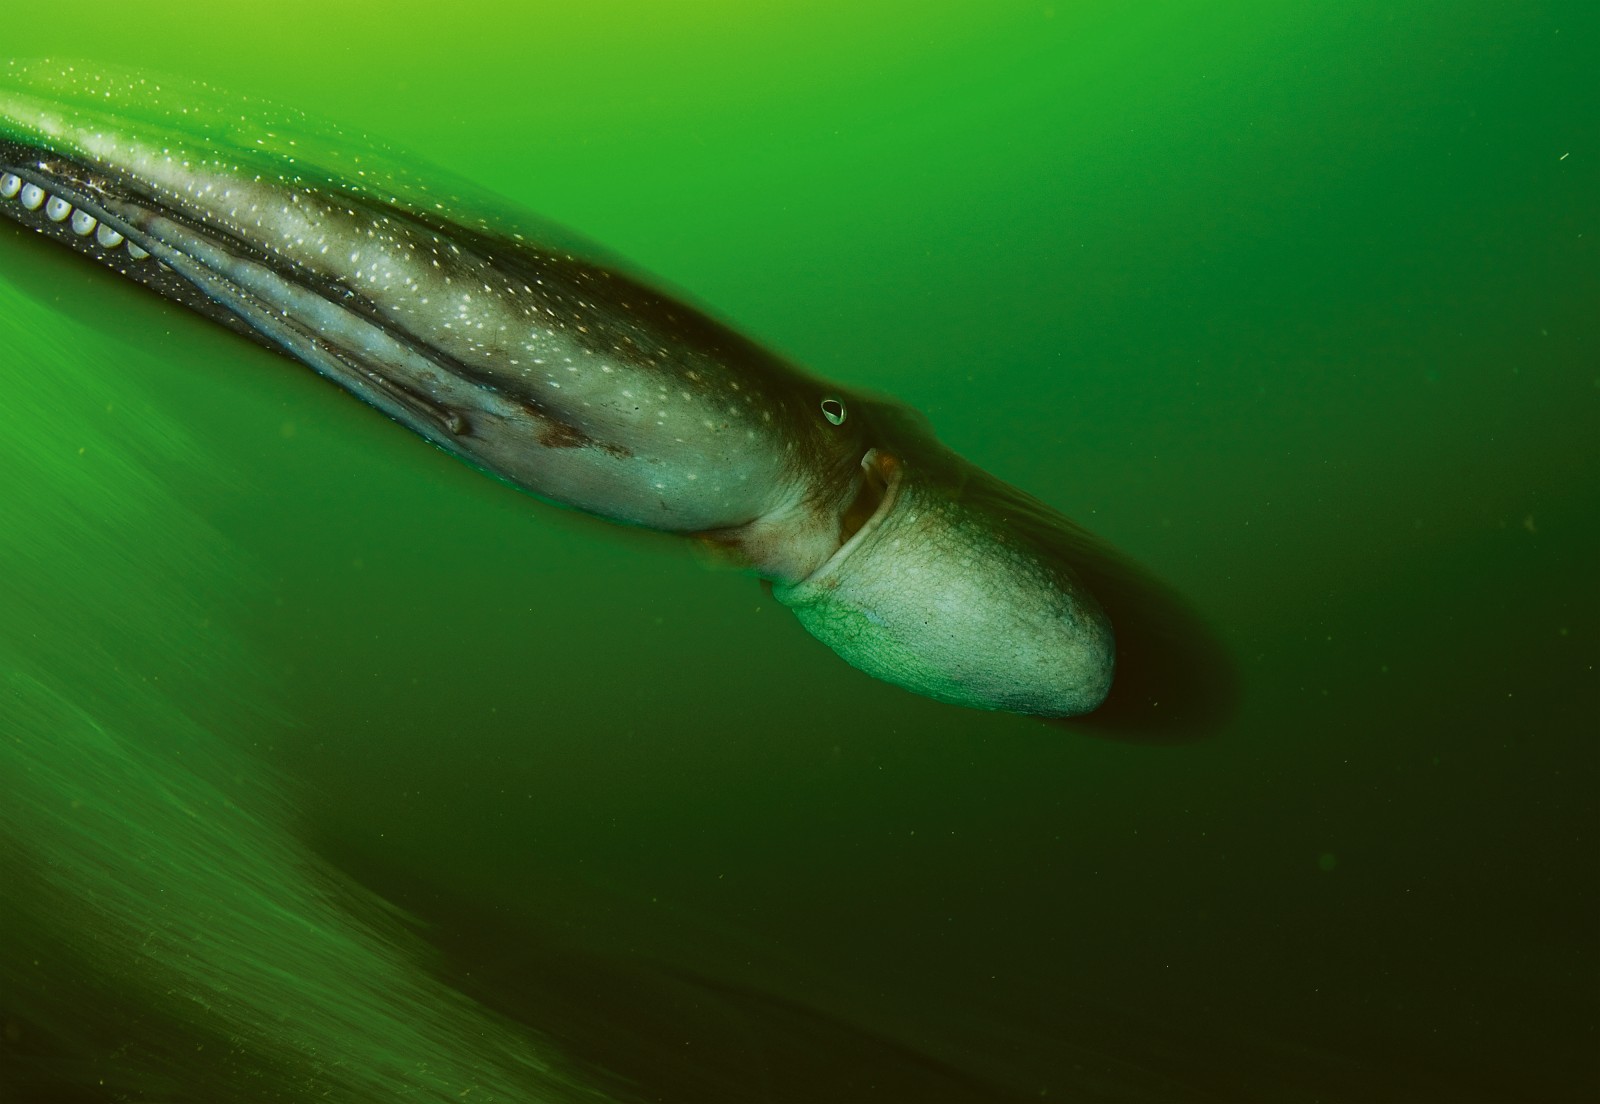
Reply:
x=1299 y=305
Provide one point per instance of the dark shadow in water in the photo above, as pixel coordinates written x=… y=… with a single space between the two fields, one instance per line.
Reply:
x=643 y=1030
x=1175 y=682
x=671 y=1037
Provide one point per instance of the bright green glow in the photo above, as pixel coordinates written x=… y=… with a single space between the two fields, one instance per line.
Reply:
x=152 y=873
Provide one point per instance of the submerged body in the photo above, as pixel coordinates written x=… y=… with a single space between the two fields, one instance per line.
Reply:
x=578 y=383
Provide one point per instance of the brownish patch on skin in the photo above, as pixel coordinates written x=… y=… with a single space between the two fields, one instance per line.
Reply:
x=554 y=434
x=724 y=547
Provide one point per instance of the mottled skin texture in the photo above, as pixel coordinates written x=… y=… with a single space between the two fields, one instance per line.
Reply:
x=565 y=377
x=568 y=379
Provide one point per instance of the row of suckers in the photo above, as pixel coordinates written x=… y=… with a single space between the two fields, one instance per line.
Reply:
x=32 y=197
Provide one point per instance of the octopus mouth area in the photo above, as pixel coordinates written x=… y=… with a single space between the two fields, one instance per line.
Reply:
x=320 y=322
x=880 y=485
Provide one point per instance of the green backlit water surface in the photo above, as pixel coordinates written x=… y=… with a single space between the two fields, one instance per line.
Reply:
x=1297 y=304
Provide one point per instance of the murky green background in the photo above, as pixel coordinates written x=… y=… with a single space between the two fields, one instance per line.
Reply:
x=1298 y=304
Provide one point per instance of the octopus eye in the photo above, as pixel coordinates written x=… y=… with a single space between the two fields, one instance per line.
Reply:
x=833 y=410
